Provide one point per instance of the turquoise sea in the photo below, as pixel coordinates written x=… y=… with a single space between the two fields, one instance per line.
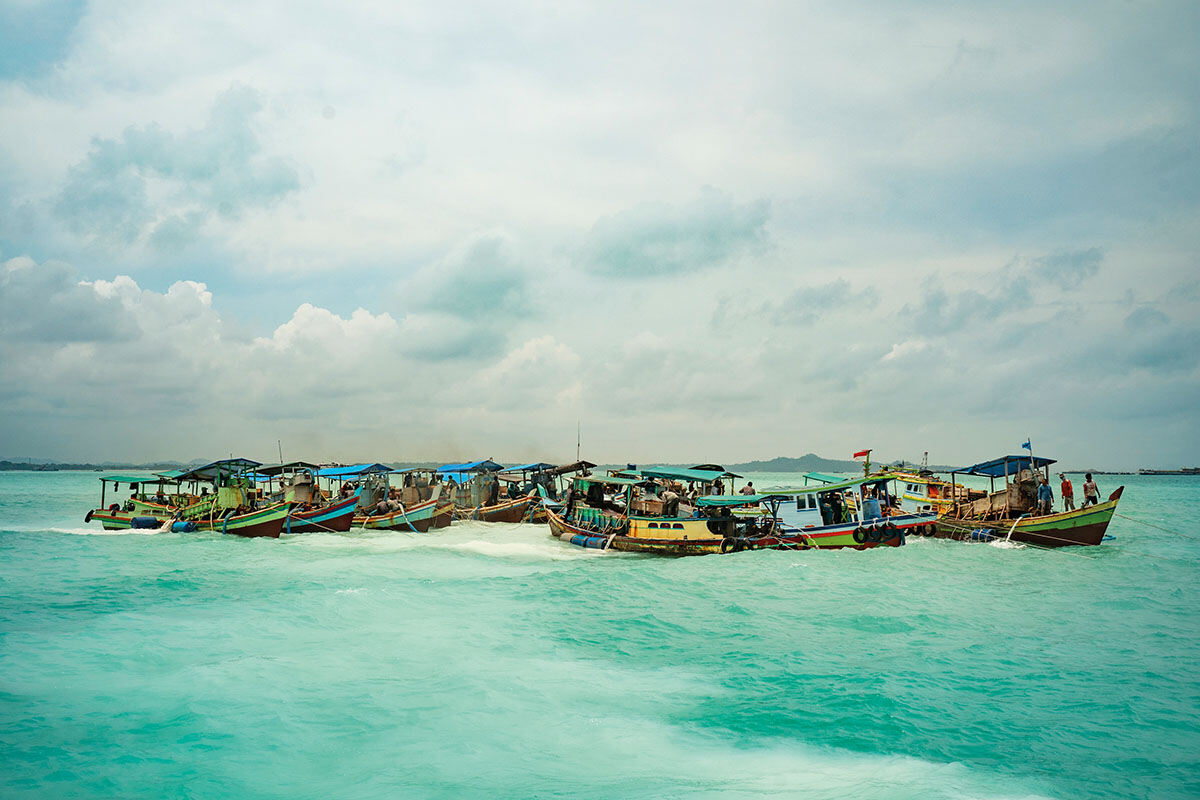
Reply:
x=494 y=661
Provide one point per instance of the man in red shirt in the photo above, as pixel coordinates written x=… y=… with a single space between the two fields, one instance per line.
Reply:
x=1068 y=493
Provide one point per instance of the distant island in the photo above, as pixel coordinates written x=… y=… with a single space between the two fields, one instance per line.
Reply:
x=812 y=462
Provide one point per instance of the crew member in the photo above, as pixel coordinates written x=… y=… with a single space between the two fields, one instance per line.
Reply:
x=1068 y=492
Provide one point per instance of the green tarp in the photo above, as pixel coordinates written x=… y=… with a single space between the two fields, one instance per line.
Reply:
x=683 y=474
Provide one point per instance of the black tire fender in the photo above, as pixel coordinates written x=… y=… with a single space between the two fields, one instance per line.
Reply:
x=860 y=535
x=88 y=518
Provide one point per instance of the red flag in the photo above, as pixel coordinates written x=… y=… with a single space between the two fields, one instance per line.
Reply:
x=861 y=453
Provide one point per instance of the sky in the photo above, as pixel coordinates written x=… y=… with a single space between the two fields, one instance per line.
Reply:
x=705 y=232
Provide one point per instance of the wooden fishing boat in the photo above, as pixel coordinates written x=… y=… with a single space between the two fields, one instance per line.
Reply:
x=546 y=482
x=419 y=518
x=420 y=484
x=234 y=507
x=268 y=522
x=334 y=517
x=518 y=510
x=1010 y=514
x=312 y=510
x=474 y=487
x=594 y=516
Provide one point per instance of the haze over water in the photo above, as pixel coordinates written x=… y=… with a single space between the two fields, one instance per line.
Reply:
x=492 y=660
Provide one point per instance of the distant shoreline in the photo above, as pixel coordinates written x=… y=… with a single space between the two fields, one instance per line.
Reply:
x=807 y=463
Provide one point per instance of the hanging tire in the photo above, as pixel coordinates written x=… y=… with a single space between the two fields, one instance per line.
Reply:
x=860 y=535
x=88 y=518
x=728 y=545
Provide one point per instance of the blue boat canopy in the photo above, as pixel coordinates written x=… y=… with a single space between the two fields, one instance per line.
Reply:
x=352 y=471
x=1005 y=465
x=472 y=466
x=822 y=477
x=539 y=467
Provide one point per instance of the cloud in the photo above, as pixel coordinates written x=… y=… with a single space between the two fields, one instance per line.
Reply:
x=151 y=183
x=481 y=278
x=803 y=305
x=46 y=305
x=1069 y=268
x=658 y=240
x=35 y=35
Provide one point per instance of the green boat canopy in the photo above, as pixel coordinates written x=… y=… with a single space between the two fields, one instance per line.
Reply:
x=882 y=477
x=786 y=494
x=822 y=477
x=133 y=479
x=683 y=474
x=726 y=500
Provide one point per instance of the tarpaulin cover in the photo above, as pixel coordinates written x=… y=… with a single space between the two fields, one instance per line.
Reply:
x=352 y=471
x=999 y=467
x=472 y=466
x=684 y=474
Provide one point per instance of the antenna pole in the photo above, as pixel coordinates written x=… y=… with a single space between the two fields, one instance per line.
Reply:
x=578 y=428
x=279 y=442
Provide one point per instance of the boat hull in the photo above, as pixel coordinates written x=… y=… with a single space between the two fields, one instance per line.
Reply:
x=418 y=518
x=1081 y=527
x=334 y=518
x=267 y=522
x=508 y=511
x=888 y=534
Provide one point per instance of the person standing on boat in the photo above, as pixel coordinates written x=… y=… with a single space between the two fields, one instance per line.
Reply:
x=1091 y=492
x=1045 y=497
x=747 y=489
x=1068 y=492
x=670 y=502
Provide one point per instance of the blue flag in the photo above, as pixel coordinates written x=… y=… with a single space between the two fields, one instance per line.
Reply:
x=1026 y=446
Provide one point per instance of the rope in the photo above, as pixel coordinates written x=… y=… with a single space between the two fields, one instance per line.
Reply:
x=1156 y=527
x=993 y=528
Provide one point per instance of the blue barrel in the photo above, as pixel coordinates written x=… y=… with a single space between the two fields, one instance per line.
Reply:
x=145 y=522
x=183 y=526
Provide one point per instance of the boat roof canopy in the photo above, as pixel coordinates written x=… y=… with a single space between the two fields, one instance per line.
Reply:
x=132 y=479
x=576 y=466
x=217 y=469
x=353 y=470
x=822 y=477
x=724 y=500
x=291 y=466
x=472 y=466
x=615 y=480
x=538 y=467
x=1005 y=465
x=683 y=474
x=882 y=477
